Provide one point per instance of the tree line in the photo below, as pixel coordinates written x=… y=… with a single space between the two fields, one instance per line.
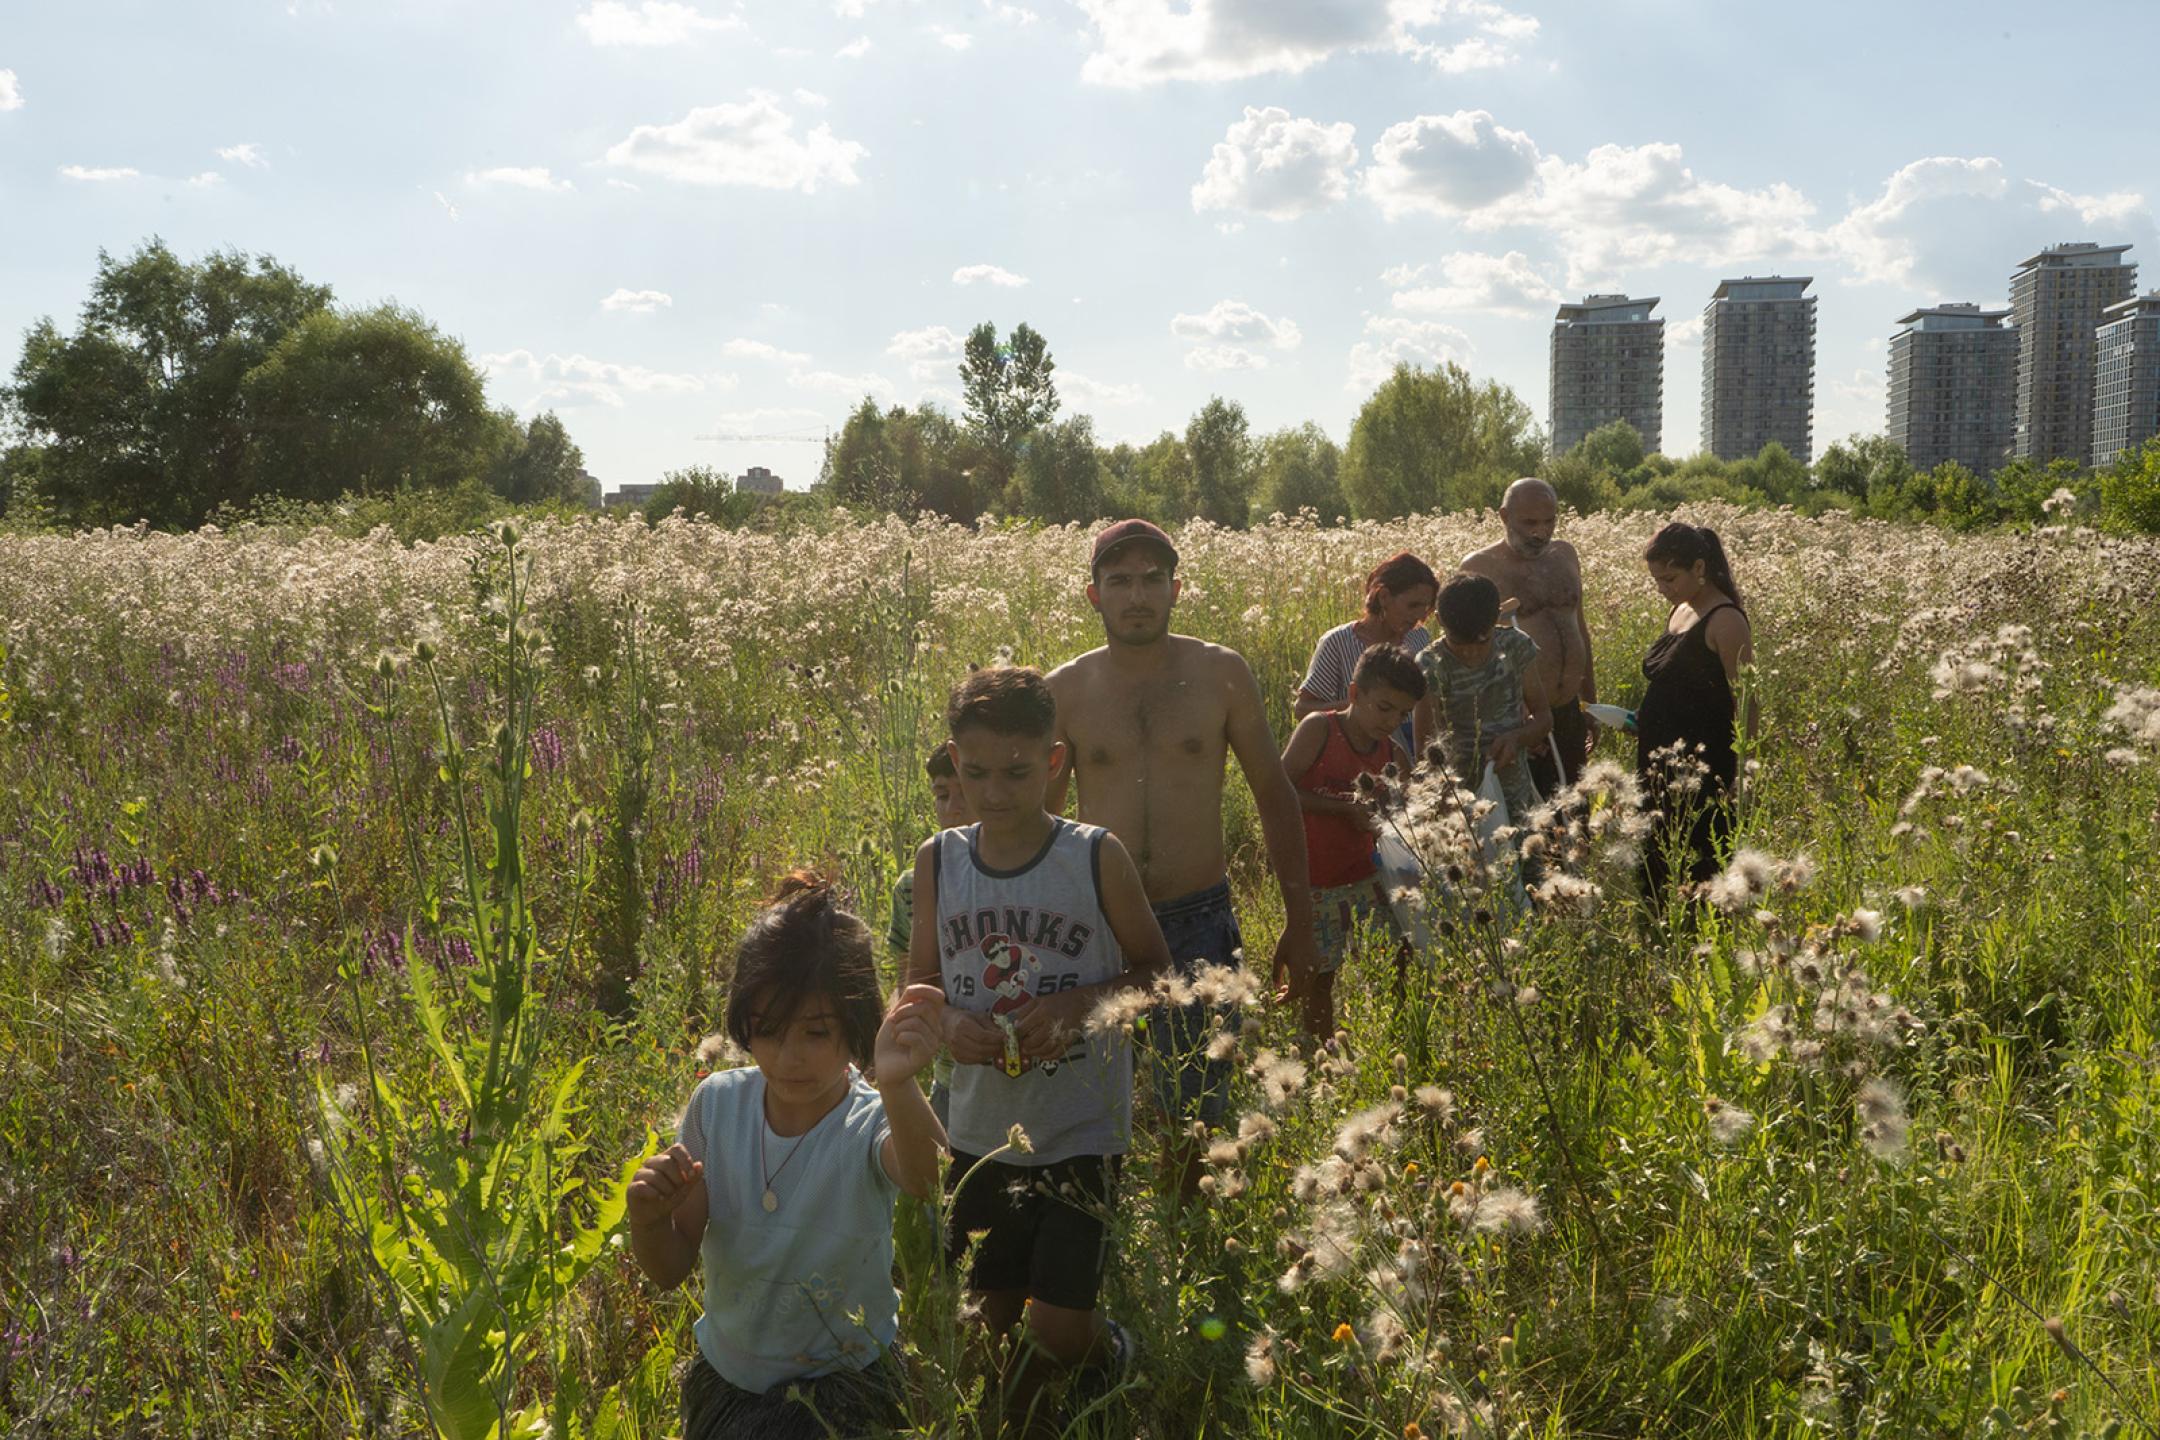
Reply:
x=190 y=391
x=231 y=387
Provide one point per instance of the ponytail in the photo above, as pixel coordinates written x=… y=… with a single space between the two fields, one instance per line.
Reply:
x=1680 y=543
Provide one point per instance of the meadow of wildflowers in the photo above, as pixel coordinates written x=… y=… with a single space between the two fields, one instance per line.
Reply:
x=1867 y=1143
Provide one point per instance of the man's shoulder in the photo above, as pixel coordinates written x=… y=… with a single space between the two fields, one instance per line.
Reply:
x=1078 y=666
x=1488 y=559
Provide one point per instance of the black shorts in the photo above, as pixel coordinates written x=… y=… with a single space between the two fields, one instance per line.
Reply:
x=1047 y=1230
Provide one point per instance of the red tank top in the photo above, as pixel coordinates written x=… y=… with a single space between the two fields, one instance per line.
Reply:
x=1338 y=850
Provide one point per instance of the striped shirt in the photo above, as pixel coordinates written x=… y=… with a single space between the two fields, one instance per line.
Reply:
x=1334 y=661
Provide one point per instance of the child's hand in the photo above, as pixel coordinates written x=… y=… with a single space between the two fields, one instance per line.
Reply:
x=913 y=1032
x=1048 y=1023
x=658 y=1186
x=973 y=1038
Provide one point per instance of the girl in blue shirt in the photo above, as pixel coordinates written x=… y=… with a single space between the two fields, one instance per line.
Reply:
x=783 y=1178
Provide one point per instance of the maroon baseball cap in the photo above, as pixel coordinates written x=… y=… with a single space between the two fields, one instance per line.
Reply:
x=1129 y=532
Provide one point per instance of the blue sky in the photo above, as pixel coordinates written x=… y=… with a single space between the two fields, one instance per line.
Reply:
x=668 y=219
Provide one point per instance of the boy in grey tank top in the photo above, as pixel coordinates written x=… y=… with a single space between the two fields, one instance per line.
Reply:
x=1029 y=921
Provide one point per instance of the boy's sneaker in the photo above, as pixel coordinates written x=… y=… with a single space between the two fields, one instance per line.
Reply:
x=1090 y=1387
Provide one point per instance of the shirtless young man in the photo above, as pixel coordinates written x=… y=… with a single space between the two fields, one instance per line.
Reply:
x=1540 y=578
x=1150 y=720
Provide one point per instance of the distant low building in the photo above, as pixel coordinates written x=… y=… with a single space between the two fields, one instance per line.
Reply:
x=631 y=497
x=758 y=480
x=589 y=494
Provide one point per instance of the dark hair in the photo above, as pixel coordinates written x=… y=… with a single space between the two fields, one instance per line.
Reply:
x=1396 y=574
x=938 y=763
x=1682 y=544
x=803 y=946
x=1392 y=666
x=1005 y=700
x=1468 y=605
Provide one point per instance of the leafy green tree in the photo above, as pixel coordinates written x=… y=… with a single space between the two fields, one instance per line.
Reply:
x=1863 y=466
x=367 y=402
x=1773 y=471
x=2130 y=490
x=1153 y=481
x=1009 y=390
x=1436 y=439
x=542 y=464
x=1219 y=440
x=1301 y=469
x=1580 y=482
x=903 y=461
x=1963 y=499
x=698 y=490
x=138 y=412
x=2024 y=489
x=1614 y=448
x=1060 y=476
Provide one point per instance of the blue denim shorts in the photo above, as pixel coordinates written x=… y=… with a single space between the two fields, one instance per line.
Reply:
x=1201 y=930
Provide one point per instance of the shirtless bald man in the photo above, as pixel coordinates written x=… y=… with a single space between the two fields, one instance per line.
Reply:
x=1150 y=720
x=1541 y=578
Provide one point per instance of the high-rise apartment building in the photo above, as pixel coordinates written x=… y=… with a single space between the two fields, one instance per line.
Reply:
x=1758 y=367
x=2056 y=298
x=2126 y=377
x=1953 y=387
x=1608 y=363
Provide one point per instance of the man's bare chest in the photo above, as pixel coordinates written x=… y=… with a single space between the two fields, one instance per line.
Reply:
x=1147 y=732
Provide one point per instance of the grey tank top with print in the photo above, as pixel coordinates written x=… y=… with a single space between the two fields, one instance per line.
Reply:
x=1004 y=937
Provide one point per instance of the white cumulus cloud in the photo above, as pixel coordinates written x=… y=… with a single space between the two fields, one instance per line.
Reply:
x=655 y=22
x=988 y=275
x=854 y=49
x=100 y=173
x=520 y=177
x=1504 y=284
x=1449 y=164
x=567 y=380
x=1085 y=390
x=11 y=96
x=742 y=349
x=206 y=179
x=1275 y=164
x=931 y=352
x=1144 y=42
x=246 y=153
x=752 y=142
x=1232 y=335
x=1955 y=226
x=955 y=39
x=638 y=302
x=1392 y=340
x=849 y=387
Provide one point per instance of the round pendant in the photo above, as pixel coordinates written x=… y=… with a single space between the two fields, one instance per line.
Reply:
x=772 y=1201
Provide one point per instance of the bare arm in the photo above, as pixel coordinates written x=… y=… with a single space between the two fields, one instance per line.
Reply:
x=1276 y=800
x=907 y=1042
x=666 y=1209
x=974 y=1039
x=1306 y=743
x=1537 y=725
x=1059 y=790
x=1306 y=704
x=1732 y=640
x=1588 y=691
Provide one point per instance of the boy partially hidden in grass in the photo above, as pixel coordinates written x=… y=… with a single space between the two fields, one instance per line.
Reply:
x=1485 y=702
x=1028 y=921
x=949 y=807
x=1327 y=753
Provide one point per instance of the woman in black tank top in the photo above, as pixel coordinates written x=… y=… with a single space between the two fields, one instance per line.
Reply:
x=1684 y=725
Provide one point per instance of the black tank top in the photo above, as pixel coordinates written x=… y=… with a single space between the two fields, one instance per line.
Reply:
x=1688 y=701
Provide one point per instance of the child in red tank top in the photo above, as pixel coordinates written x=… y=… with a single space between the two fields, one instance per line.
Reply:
x=1327 y=753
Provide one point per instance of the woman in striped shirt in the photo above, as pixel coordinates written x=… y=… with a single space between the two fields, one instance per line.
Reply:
x=1398 y=595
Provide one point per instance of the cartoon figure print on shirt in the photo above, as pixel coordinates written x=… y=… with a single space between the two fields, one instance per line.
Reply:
x=1010 y=972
